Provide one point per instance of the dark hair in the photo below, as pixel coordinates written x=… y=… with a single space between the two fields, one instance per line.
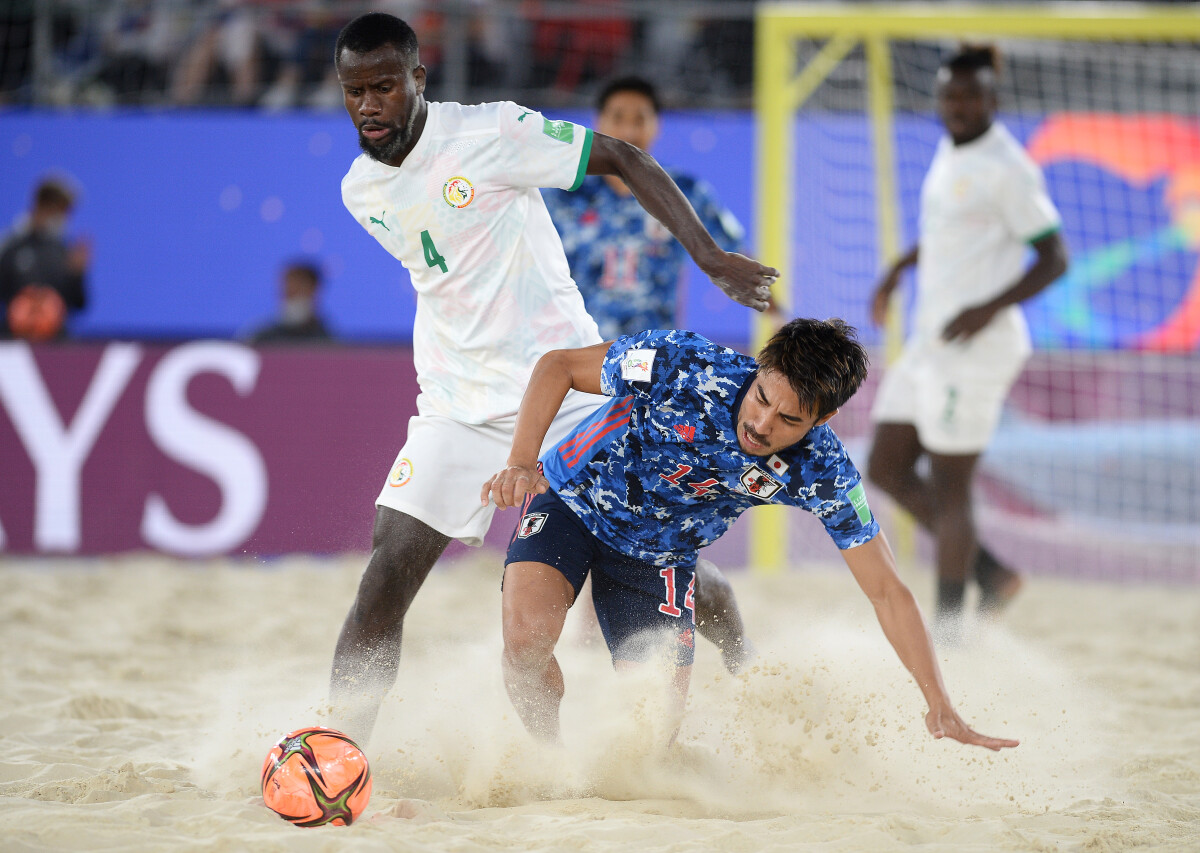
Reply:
x=53 y=192
x=308 y=269
x=822 y=360
x=632 y=83
x=974 y=57
x=374 y=30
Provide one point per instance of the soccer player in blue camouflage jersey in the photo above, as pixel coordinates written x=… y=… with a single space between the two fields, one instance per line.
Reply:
x=695 y=434
x=627 y=265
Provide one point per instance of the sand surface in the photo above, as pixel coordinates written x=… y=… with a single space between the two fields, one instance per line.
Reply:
x=140 y=695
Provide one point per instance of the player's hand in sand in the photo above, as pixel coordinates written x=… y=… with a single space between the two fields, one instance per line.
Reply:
x=510 y=486
x=743 y=279
x=947 y=723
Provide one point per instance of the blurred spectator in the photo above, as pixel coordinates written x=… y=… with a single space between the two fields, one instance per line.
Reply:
x=298 y=320
x=306 y=76
x=627 y=265
x=238 y=47
x=16 y=50
x=138 y=42
x=41 y=275
x=274 y=53
x=571 y=52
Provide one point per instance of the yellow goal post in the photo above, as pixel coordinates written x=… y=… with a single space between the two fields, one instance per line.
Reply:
x=785 y=80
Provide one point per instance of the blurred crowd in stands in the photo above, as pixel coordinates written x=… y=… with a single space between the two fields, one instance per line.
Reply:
x=276 y=54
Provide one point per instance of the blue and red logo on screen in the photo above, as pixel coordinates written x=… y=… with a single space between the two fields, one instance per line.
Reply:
x=1134 y=279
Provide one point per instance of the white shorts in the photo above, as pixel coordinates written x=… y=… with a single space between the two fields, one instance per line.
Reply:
x=954 y=403
x=443 y=464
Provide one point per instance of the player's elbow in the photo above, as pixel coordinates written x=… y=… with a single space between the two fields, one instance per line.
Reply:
x=1054 y=257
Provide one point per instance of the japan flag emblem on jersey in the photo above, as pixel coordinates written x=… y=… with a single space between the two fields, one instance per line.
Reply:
x=758 y=483
x=531 y=524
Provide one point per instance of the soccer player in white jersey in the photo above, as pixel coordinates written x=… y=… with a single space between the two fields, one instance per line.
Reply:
x=984 y=206
x=452 y=192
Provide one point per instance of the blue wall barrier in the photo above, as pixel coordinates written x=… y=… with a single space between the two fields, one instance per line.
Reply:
x=193 y=214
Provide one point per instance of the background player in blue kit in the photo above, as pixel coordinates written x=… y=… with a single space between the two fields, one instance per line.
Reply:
x=695 y=434
x=626 y=263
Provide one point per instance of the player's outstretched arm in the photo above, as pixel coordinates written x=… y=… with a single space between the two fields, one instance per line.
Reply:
x=742 y=279
x=874 y=567
x=556 y=373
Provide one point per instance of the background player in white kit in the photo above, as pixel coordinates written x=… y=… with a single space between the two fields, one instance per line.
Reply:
x=452 y=192
x=983 y=205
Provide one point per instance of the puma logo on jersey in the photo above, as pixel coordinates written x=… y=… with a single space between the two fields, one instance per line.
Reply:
x=521 y=117
x=380 y=221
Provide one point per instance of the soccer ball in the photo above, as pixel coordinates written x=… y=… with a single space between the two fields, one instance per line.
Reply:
x=316 y=776
x=36 y=313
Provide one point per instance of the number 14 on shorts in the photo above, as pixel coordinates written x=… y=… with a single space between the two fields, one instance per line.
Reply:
x=669 y=606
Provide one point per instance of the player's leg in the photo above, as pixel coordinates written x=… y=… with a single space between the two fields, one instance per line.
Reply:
x=547 y=561
x=718 y=619
x=892 y=466
x=367 y=656
x=536 y=599
x=677 y=694
x=953 y=530
x=646 y=615
x=430 y=496
x=998 y=584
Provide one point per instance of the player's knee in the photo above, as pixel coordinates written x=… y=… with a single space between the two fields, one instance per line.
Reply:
x=527 y=643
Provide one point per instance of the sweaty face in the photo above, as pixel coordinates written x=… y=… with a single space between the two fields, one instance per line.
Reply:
x=770 y=418
x=630 y=117
x=966 y=103
x=383 y=95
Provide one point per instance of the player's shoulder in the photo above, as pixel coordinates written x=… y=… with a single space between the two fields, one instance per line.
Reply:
x=1008 y=151
x=821 y=452
x=679 y=339
x=450 y=118
x=683 y=351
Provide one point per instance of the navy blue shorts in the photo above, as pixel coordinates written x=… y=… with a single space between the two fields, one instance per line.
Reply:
x=636 y=602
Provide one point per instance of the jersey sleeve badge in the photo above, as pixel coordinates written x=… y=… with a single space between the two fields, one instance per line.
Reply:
x=637 y=365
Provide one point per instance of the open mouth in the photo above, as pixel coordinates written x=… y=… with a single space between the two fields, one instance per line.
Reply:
x=374 y=132
x=750 y=441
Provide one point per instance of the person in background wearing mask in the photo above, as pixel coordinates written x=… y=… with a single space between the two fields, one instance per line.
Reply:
x=42 y=276
x=298 y=318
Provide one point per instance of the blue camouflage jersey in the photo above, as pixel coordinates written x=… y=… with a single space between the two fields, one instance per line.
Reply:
x=626 y=263
x=657 y=472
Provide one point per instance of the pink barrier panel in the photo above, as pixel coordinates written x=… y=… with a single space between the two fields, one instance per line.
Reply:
x=205 y=448
x=209 y=447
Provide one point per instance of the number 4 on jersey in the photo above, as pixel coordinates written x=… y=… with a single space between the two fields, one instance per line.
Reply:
x=432 y=258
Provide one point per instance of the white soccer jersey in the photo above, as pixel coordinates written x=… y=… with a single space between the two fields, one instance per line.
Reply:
x=464 y=215
x=982 y=204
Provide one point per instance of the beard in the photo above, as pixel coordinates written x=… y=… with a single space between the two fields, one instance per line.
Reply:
x=398 y=142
